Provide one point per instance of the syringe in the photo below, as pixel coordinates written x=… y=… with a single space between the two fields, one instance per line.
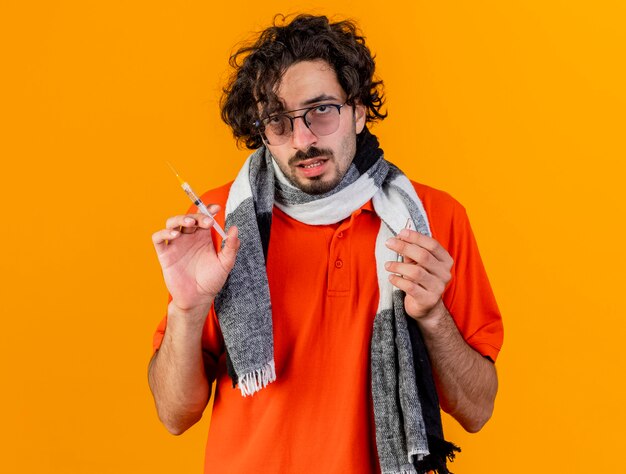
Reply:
x=198 y=202
x=400 y=258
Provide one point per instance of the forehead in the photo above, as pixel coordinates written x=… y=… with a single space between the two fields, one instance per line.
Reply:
x=306 y=81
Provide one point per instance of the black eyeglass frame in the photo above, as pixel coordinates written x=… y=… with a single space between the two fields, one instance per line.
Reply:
x=260 y=124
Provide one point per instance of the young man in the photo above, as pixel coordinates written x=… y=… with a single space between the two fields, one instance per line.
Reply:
x=335 y=321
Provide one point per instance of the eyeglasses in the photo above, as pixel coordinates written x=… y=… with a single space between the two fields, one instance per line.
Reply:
x=320 y=119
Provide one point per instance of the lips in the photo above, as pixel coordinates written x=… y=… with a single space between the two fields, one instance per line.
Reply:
x=311 y=162
x=312 y=167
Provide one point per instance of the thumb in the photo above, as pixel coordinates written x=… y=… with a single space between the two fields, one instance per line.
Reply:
x=228 y=254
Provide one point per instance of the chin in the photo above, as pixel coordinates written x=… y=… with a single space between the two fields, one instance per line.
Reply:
x=316 y=186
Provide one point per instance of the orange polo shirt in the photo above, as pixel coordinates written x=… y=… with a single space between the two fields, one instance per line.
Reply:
x=318 y=415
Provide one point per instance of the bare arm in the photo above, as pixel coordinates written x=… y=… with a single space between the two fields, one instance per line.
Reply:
x=194 y=273
x=466 y=382
x=176 y=374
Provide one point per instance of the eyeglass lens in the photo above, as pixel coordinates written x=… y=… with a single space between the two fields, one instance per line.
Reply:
x=321 y=120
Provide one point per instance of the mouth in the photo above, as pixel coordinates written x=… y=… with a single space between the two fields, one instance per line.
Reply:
x=312 y=167
x=312 y=163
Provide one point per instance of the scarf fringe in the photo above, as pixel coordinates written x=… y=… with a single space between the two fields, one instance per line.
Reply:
x=402 y=470
x=254 y=381
x=437 y=462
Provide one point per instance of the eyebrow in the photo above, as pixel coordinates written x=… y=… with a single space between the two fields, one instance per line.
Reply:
x=319 y=98
x=306 y=103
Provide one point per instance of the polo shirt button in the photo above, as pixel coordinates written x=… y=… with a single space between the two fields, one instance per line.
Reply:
x=340 y=235
x=338 y=263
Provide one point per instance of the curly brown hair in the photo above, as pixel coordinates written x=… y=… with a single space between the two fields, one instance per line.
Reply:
x=258 y=68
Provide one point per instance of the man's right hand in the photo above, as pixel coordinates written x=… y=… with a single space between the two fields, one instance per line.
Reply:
x=193 y=271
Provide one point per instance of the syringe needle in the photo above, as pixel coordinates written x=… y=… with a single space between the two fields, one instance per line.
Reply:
x=198 y=202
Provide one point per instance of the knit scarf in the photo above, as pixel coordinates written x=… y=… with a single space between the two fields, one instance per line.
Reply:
x=409 y=435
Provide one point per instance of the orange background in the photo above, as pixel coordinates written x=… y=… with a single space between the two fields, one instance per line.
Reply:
x=515 y=108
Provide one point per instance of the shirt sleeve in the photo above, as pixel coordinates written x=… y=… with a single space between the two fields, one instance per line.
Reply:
x=469 y=297
x=212 y=342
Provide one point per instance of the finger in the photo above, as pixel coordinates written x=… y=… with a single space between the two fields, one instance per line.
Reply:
x=417 y=274
x=425 y=242
x=189 y=221
x=186 y=220
x=413 y=253
x=187 y=230
x=228 y=254
x=422 y=298
x=162 y=237
x=214 y=208
x=410 y=288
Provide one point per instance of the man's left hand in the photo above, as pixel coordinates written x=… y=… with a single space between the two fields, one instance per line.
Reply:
x=424 y=273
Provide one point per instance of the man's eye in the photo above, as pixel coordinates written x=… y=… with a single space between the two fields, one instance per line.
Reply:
x=322 y=109
x=274 y=120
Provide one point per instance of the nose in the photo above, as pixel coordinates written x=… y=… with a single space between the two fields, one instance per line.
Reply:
x=301 y=136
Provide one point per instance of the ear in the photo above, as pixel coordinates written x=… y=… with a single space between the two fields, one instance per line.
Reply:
x=359 y=117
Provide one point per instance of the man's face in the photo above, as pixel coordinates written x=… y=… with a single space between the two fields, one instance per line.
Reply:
x=316 y=164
